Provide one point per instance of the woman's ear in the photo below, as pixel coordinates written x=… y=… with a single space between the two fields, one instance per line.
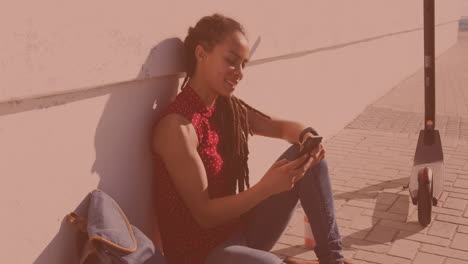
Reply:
x=200 y=53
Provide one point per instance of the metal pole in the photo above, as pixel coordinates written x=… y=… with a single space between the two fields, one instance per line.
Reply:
x=429 y=64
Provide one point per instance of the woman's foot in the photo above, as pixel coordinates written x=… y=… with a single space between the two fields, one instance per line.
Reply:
x=292 y=260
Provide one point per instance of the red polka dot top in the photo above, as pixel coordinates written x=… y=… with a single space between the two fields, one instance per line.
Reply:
x=184 y=241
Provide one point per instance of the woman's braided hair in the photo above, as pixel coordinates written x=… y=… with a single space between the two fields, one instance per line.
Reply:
x=231 y=113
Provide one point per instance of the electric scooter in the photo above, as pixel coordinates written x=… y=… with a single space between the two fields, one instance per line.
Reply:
x=427 y=176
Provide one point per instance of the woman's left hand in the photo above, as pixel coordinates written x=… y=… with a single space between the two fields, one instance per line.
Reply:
x=316 y=155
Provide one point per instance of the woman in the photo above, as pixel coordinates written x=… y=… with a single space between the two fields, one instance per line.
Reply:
x=200 y=150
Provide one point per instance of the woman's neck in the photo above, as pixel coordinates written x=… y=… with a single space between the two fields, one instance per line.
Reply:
x=204 y=92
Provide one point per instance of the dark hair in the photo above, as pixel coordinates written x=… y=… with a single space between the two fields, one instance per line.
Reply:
x=231 y=113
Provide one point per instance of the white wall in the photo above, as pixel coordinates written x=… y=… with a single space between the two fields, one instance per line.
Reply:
x=464 y=8
x=55 y=46
x=81 y=83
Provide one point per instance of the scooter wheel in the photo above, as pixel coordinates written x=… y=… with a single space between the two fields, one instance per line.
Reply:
x=424 y=204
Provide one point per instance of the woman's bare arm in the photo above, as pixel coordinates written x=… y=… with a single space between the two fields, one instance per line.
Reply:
x=275 y=127
x=175 y=140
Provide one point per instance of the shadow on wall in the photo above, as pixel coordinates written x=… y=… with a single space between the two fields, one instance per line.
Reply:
x=463 y=24
x=123 y=144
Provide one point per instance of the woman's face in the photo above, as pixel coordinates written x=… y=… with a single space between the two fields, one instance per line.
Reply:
x=223 y=67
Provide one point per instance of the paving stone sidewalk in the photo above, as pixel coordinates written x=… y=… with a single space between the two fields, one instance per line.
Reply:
x=370 y=161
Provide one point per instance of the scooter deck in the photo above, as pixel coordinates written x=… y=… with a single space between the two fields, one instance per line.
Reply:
x=429 y=153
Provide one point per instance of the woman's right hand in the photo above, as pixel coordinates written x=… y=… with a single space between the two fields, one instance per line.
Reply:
x=280 y=176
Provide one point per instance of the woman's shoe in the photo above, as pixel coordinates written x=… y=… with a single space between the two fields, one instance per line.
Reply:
x=292 y=260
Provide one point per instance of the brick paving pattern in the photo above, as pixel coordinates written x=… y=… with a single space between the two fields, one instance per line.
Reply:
x=370 y=161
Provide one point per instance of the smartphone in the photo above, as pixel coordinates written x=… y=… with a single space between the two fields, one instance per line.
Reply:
x=310 y=144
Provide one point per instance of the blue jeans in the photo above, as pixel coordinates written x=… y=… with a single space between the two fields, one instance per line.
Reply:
x=268 y=220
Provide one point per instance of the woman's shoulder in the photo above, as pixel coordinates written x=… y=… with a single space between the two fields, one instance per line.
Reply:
x=172 y=126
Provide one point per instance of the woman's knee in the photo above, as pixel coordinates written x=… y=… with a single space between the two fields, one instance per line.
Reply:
x=290 y=153
x=242 y=254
